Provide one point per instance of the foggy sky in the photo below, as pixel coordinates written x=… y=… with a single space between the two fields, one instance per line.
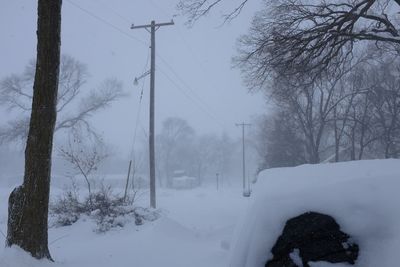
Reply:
x=204 y=90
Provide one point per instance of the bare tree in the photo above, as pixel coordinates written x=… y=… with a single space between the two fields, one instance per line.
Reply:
x=225 y=150
x=206 y=155
x=304 y=53
x=74 y=105
x=352 y=118
x=343 y=118
x=29 y=203
x=294 y=36
x=279 y=143
x=85 y=156
x=311 y=104
x=385 y=99
x=373 y=116
x=175 y=134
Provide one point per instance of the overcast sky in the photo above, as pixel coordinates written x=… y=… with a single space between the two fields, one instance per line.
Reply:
x=194 y=76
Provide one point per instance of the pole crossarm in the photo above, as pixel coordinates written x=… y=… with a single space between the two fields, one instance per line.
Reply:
x=150 y=25
x=246 y=124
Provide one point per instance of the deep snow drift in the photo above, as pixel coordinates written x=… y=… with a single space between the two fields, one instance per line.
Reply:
x=363 y=197
x=197 y=227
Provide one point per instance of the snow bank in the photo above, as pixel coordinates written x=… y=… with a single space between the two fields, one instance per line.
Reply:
x=195 y=230
x=16 y=257
x=363 y=197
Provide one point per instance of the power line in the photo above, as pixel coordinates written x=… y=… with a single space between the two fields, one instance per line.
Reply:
x=139 y=107
x=184 y=41
x=165 y=62
x=109 y=8
x=199 y=99
x=107 y=23
x=184 y=83
x=177 y=86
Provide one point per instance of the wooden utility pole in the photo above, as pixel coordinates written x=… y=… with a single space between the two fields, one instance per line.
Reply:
x=153 y=28
x=246 y=194
x=217 y=175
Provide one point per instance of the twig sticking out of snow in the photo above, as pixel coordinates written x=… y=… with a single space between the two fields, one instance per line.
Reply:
x=3 y=234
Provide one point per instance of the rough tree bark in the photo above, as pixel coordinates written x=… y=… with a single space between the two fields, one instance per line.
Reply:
x=28 y=203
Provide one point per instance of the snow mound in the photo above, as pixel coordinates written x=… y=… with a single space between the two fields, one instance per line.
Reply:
x=362 y=196
x=16 y=257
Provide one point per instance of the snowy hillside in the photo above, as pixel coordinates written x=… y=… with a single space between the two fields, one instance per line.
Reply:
x=363 y=197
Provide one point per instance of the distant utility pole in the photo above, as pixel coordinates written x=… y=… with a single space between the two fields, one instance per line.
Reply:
x=245 y=193
x=217 y=175
x=153 y=28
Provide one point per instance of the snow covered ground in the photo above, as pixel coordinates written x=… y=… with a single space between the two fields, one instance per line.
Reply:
x=194 y=230
x=197 y=227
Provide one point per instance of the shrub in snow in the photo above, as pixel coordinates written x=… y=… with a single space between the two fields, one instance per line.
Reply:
x=313 y=237
x=106 y=209
x=67 y=209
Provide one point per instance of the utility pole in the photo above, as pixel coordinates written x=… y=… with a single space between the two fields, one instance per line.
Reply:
x=153 y=28
x=217 y=175
x=243 y=125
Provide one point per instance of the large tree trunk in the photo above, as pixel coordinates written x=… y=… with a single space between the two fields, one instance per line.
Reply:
x=28 y=203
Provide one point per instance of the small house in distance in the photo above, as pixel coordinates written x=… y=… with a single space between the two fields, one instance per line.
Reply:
x=181 y=181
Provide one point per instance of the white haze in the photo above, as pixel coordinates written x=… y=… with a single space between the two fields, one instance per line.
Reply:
x=204 y=90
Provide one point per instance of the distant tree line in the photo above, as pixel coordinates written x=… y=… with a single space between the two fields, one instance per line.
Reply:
x=180 y=148
x=356 y=116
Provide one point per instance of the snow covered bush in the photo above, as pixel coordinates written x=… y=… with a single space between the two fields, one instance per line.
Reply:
x=66 y=209
x=105 y=208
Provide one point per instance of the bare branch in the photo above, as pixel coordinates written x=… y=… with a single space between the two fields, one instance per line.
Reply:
x=108 y=92
x=292 y=37
x=15 y=131
x=73 y=107
x=84 y=156
x=195 y=9
x=73 y=75
x=14 y=93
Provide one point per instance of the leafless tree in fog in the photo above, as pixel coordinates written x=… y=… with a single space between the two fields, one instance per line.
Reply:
x=325 y=64
x=85 y=156
x=277 y=141
x=385 y=99
x=74 y=105
x=175 y=134
x=293 y=36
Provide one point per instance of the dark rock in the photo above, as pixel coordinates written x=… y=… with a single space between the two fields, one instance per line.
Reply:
x=317 y=237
